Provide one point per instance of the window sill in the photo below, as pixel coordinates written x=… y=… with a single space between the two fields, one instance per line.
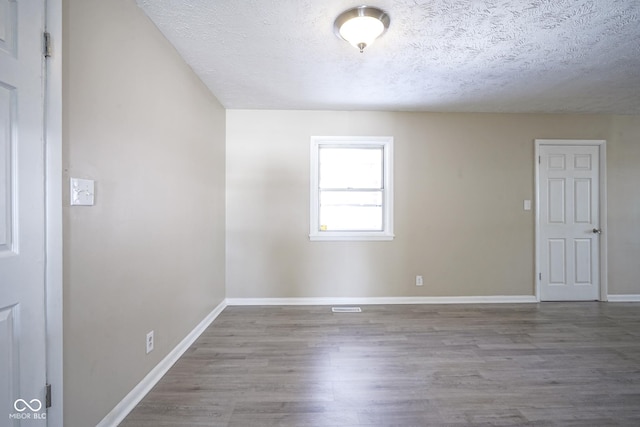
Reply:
x=350 y=237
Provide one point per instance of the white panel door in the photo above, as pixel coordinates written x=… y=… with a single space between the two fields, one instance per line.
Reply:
x=22 y=215
x=569 y=223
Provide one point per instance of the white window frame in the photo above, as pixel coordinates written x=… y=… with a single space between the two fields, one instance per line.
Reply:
x=386 y=142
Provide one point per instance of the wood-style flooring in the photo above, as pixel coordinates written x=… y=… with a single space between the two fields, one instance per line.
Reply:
x=565 y=364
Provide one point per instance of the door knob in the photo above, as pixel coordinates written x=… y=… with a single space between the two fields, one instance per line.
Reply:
x=596 y=231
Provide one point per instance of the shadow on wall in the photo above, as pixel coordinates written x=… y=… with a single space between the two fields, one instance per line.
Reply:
x=295 y=267
x=285 y=232
x=272 y=257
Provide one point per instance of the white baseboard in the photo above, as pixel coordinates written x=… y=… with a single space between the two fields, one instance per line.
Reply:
x=494 y=299
x=126 y=405
x=624 y=298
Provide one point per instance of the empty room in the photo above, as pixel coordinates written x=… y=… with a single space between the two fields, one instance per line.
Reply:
x=304 y=213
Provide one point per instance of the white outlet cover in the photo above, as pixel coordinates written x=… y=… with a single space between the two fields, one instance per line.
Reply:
x=82 y=192
x=149 y=342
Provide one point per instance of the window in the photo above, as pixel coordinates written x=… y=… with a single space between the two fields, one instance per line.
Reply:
x=351 y=188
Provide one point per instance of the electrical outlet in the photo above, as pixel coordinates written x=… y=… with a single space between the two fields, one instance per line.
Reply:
x=419 y=281
x=149 y=342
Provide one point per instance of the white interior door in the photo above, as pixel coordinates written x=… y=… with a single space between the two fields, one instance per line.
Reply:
x=22 y=215
x=569 y=226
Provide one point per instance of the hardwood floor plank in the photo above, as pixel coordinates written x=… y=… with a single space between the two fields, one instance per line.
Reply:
x=424 y=365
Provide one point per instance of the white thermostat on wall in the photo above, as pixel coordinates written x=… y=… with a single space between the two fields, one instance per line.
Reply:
x=82 y=192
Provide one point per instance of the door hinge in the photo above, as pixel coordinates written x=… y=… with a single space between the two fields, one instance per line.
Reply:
x=46 y=47
x=539 y=159
x=539 y=276
x=47 y=397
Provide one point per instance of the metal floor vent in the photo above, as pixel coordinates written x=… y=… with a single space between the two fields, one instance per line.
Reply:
x=346 y=309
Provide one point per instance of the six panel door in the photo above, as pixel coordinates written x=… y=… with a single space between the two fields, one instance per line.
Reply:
x=569 y=223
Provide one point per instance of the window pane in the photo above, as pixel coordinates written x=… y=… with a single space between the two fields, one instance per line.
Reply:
x=351 y=167
x=351 y=210
x=358 y=198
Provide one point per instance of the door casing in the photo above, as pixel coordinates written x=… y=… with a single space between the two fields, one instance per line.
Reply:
x=602 y=144
x=53 y=212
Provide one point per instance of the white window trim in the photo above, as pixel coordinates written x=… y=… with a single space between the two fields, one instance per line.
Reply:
x=387 y=234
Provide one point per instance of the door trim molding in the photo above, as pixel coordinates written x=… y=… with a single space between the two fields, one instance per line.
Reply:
x=53 y=213
x=602 y=144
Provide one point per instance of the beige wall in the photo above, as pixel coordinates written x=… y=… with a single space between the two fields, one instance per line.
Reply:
x=460 y=182
x=150 y=253
x=623 y=159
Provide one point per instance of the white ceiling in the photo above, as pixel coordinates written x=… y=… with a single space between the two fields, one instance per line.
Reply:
x=580 y=56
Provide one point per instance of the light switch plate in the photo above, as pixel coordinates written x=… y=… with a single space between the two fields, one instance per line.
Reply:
x=527 y=205
x=82 y=192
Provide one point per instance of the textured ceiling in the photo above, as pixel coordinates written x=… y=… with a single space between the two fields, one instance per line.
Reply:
x=580 y=56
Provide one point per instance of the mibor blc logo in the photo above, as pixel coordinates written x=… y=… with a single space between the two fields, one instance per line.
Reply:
x=28 y=410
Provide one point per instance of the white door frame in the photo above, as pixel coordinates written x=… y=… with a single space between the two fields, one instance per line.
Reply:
x=53 y=214
x=602 y=144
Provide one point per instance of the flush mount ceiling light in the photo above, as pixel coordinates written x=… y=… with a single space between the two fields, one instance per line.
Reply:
x=361 y=25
